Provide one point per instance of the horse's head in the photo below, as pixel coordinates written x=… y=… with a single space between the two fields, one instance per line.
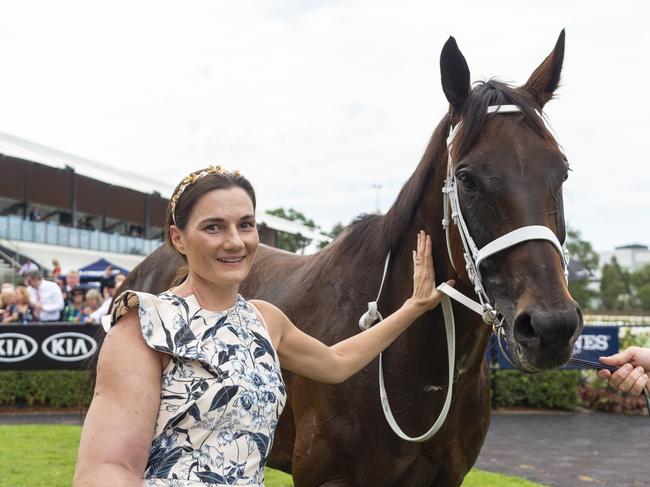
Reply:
x=509 y=173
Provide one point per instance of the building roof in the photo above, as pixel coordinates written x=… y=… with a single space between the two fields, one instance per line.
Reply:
x=112 y=174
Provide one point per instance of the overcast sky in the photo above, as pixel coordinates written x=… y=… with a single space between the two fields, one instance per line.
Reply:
x=318 y=101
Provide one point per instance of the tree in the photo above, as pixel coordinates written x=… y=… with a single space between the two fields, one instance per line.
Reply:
x=583 y=252
x=614 y=286
x=288 y=241
x=334 y=232
x=640 y=282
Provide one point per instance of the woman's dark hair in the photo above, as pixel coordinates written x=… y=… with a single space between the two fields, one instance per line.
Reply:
x=186 y=202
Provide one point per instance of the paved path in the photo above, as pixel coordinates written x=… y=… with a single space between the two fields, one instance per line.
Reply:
x=569 y=450
x=41 y=418
x=554 y=449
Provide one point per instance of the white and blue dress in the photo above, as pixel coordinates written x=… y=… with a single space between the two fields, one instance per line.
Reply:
x=221 y=395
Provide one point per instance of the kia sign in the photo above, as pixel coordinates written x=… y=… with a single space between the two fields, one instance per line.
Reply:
x=69 y=346
x=16 y=347
x=48 y=346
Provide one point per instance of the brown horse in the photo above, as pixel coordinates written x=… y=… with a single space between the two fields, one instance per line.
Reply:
x=510 y=173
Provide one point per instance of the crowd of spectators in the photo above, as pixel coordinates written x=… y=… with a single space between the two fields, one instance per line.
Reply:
x=62 y=299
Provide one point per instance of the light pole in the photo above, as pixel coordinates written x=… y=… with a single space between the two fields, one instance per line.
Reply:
x=377 y=188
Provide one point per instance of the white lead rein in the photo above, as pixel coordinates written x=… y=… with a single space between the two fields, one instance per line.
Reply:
x=373 y=314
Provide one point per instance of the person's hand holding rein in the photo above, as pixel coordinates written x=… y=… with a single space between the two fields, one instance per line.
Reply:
x=425 y=295
x=632 y=376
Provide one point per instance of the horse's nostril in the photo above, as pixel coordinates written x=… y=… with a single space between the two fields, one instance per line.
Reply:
x=524 y=332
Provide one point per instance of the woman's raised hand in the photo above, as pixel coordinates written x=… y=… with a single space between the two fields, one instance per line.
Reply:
x=425 y=295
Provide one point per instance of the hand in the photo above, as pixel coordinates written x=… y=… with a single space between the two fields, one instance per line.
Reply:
x=632 y=376
x=425 y=295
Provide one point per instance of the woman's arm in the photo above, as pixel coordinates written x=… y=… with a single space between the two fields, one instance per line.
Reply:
x=306 y=356
x=120 y=423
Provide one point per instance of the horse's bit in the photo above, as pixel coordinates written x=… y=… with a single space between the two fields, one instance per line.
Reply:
x=473 y=257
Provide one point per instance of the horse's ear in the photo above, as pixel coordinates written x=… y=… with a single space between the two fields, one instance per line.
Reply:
x=454 y=73
x=546 y=78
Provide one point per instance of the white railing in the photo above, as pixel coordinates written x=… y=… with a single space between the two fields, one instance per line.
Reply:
x=16 y=228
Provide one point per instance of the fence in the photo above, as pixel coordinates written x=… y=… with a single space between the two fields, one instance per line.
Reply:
x=17 y=228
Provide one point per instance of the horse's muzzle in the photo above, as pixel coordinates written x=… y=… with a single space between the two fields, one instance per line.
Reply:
x=544 y=338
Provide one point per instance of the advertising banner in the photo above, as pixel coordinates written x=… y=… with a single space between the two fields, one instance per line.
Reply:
x=48 y=346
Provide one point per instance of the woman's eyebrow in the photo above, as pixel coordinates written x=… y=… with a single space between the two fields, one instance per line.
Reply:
x=216 y=219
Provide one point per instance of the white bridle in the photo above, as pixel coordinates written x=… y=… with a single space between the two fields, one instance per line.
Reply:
x=473 y=257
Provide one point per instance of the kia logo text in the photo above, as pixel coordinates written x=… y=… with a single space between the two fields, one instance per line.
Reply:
x=15 y=347
x=69 y=347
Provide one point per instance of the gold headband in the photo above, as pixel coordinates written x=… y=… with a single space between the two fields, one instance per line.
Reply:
x=193 y=178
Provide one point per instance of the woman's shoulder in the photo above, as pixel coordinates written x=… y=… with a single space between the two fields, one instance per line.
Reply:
x=264 y=306
x=271 y=314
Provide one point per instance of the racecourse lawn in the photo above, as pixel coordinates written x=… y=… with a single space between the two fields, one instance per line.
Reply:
x=44 y=456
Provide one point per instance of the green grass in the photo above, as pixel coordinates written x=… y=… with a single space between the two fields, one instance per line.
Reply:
x=44 y=456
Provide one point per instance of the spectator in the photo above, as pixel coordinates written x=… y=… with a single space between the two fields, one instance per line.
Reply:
x=56 y=269
x=59 y=282
x=119 y=279
x=74 y=312
x=107 y=279
x=93 y=303
x=34 y=214
x=110 y=290
x=8 y=297
x=23 y=311
x=45 y=297
x=27 y=267
x=72 y=280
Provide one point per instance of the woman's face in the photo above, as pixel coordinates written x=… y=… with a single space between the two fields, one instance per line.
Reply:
x=220 y=238
x=92 y=302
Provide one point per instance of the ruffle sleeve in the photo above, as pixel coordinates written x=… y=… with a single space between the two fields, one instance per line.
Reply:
x=156 y=317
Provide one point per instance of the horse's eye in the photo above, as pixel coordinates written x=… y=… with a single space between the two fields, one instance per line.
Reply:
x=466 y=181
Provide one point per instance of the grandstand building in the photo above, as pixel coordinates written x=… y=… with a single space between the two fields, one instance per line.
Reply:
x=55 y=205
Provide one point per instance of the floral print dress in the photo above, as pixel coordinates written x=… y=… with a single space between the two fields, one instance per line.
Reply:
x=222 y=392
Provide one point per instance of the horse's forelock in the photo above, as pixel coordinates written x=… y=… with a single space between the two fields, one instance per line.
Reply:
x=491 y=93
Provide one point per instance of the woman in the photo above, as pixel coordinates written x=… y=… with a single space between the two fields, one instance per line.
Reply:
x=56 y=269
x=23 y=311
x=189 y=388
x=74 y=312
x=8 y=298
x=94 y=300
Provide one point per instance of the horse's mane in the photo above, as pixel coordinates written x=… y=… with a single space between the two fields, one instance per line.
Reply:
x=374 y=235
